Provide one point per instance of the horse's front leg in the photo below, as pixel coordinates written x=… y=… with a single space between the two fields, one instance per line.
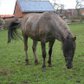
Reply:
x=50 y=52
x=43 y=54
x=26 y=48
x=34 y=51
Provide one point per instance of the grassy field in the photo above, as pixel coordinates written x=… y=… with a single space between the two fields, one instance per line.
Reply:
x=14 y=71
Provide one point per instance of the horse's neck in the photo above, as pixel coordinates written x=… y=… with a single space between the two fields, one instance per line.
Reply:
x=63 y=33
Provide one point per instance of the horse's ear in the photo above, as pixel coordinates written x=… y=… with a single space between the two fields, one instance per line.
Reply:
x=74 y=38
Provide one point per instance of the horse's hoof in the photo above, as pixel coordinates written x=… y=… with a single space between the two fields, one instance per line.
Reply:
x=27 y=62
x=50 y=65
x=36 y=62
x=44 y=69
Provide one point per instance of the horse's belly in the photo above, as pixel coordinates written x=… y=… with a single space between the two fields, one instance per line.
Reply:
x=34 y=36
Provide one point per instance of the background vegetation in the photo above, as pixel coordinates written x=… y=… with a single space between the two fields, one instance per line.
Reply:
x=14 y=71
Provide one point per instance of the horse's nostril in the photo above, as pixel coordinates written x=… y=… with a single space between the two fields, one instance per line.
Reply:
x=69 y=67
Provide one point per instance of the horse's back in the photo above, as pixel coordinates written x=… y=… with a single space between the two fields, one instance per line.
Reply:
x=44 y=24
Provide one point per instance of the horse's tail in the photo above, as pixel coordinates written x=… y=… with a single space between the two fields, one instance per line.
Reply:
x=12 y=31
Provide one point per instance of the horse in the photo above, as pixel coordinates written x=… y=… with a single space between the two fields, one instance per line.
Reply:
x=46 y=27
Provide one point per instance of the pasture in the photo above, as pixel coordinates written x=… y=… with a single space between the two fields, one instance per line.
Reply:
x=14 y=71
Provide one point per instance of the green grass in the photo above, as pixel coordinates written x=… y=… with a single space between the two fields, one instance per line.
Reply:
x=14 y=71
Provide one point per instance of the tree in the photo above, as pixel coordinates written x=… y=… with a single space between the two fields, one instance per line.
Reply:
x=79 y=5
x=58 y=7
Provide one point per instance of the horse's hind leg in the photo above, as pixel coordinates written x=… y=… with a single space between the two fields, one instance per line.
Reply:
x=50 y=52
x=34 y=51
x=26 y=47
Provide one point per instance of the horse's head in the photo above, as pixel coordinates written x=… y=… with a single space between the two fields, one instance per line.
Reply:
x=68 y=50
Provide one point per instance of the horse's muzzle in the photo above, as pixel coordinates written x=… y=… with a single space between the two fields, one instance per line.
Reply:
x=69 y=66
